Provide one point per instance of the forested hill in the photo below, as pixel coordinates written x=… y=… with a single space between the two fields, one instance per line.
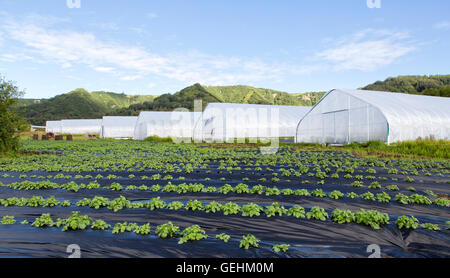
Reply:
x=78 y=104
x=225 y=94
x=433 y=85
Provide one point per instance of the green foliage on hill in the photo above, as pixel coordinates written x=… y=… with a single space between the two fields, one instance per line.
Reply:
x=224 y=94
x=433 y=85
x=78 y=104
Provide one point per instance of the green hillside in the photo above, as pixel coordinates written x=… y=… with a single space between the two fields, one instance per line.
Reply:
x=225 y=94
x=78 y=104
x=433 y=85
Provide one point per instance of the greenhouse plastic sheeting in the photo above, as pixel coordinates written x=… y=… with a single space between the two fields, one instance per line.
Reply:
x=222 y=122
x=346 y=116
x=166 y=124
x=118 y=127
x=53 y=126
x=81 y=126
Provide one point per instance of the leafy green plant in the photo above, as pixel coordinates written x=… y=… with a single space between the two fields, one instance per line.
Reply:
x=249 y=241
x=194 y=205
x=281 y=248
x=251 y=210
x=430 y=226
x=317 y=213
x=100 y=225
x=44 y=220
x=223 y=237
x=213 y=207
x=383 y=197
x=336 y=195
x=407 y=222
x=167 y=230
x=230 y=208
x=318 y=193
x=155 y=203
x=8 y=220
x=296 y=211
x=192 y=233
x=371 y=218
x=275 y=209
x=342 y=216
x=74 y=222
x=176 y=205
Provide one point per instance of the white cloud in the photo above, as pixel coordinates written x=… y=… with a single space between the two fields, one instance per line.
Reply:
x=131 y=77
x=442 y=25
x=367 y=50
x=69 y=48
x=104 y=69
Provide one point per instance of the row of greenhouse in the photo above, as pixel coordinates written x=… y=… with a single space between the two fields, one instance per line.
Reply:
x=341 y=117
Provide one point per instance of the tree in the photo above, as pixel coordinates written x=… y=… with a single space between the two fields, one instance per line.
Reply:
x=10 y=121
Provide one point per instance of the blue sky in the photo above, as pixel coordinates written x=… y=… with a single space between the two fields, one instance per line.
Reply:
x=155 y=47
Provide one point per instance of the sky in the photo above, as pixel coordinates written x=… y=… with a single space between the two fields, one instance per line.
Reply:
x=50 y=47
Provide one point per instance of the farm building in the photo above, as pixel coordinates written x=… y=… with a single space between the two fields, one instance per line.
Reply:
x=118 y=127
x=53 y=127
x=81 y=126
x=165 y=124
x=345 y=116
x=222 y=122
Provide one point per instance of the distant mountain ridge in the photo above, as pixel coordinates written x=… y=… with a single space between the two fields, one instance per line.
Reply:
x=83 y=104
x=432 y=85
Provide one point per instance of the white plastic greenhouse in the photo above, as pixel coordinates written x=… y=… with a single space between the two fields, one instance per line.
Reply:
x=165 y=124
x=346 y=116
x=53 y=127
x=222 y=122
x=81 y=126
x=118 y=127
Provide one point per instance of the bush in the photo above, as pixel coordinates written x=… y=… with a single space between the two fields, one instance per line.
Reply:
x=10 y=121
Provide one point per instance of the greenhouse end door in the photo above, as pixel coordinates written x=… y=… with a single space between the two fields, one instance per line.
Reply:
x=335 y=127
x=341 y=129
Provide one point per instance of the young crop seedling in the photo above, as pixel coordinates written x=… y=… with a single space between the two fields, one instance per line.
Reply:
x=336 y=195
x=155 y=203
x=407 y=222
x=251 y=210
x=167 y=230
x=342 y=216
x=281 y=248
x=223 y=237
x=430 y=226
x=193 y=233
x=230 y=208
x=8 y=220
x=249 y=241
x=371 y=218
x=317 y=213
x=275 y=209
x=296 y=211
x=44 y=220
x=383 y=197
x=74 y=222
x=100 y=225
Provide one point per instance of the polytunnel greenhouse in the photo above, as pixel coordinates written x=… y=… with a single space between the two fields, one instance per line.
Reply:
x=346 y=116
x=81 y=126
x=118 y=127
x=165 y=124
x=222 y=122
x=53 y=127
